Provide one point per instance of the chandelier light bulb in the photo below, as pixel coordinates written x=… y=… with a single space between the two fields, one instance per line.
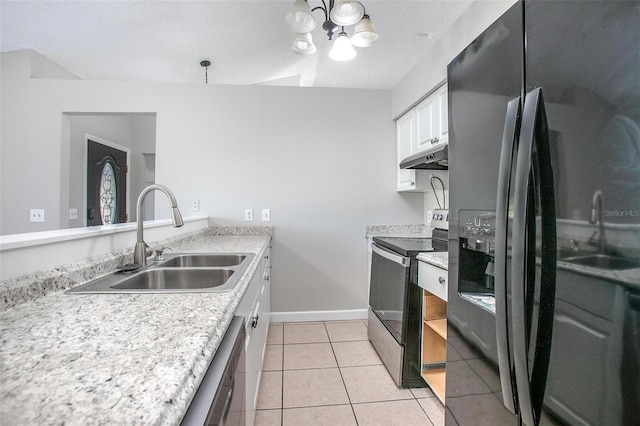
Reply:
x=299 y=17
x=303 y=44
x=346 y=12
x=365 y=33
x=342 y=49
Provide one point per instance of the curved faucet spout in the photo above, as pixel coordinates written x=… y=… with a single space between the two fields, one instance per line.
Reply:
x=597 y=217
x=142 y=250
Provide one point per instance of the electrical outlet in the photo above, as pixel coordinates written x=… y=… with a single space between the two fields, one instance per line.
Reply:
x=429 y=215
x=73 y=213
x=195 y=205
x=36 y=215
x=248 y=215
x=266 y=215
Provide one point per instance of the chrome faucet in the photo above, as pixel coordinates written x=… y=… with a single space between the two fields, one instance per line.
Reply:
x=596 y=217
x=142 y=250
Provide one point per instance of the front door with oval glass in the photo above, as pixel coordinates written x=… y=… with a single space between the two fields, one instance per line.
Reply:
x=106 y=184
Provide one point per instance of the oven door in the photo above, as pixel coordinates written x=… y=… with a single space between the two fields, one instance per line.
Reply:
x=388 y=290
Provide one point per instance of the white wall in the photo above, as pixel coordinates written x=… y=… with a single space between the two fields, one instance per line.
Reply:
x=143 y=141
x=430 y=200
x=431 y=71
x=323 y=161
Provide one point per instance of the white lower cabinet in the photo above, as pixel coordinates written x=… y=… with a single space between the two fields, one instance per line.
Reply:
x=255 y=306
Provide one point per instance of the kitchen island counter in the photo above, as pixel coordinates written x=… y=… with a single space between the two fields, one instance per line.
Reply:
x=117 y=358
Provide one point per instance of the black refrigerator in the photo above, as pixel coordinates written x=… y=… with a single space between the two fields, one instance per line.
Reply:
x=544 y=237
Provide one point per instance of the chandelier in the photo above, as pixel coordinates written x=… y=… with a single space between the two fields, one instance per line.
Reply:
x=337 y=15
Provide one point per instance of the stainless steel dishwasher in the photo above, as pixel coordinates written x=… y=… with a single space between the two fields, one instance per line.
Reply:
x=219 y=399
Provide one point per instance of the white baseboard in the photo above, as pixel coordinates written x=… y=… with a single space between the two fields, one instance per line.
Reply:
x=304 y=316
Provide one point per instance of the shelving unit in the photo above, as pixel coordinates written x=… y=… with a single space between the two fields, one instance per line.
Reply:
x=434 y=343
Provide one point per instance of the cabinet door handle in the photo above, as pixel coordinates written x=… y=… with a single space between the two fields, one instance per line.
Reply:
x=441 y=280
x=434 y=141
x=254 y=321
x=413 y=183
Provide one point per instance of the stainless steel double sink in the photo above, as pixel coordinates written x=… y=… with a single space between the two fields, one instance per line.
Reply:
x=177 y=273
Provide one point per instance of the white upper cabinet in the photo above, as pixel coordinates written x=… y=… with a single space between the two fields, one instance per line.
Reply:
x=405 y=137
x=443 y=114
x=421 y=128
x=428 y=123
x=432 y=116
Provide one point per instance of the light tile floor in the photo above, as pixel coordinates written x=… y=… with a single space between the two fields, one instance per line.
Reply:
x=327 y=373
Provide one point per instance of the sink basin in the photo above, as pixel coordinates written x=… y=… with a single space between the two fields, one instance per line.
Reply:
x=202 y=260
x=181 y=273
x=603 y=261
x=175 y=279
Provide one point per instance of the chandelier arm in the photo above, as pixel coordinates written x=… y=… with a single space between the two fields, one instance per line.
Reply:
x=324 y=9
x=363 y=8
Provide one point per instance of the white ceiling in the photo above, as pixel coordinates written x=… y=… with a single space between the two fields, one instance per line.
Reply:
x=246 y=41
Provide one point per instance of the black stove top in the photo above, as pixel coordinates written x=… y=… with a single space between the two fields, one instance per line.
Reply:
x=410 y=246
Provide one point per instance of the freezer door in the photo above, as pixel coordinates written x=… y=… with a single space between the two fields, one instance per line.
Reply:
x=482 y=80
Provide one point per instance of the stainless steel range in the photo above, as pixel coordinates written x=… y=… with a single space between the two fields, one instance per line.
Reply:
x=395 y=302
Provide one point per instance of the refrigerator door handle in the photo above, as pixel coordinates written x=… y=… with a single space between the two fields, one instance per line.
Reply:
x=507 y=157
x=533 y=168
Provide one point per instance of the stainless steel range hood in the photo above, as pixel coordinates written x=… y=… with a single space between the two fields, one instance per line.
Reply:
x=434 y=158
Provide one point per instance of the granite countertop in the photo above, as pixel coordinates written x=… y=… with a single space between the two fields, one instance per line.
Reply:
x=116 y=358
x=435 y=258
x=371 y=231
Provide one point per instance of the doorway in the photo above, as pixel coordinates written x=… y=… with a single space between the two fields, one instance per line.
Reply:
x=107 y=168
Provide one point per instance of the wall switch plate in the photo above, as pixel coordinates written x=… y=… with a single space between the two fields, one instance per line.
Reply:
x=266 y=215
x=36 y=215
x=248 y=215
x=73 y=213
x=195 y=205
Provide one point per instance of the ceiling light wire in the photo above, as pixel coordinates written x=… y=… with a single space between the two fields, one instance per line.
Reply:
x=206 y=64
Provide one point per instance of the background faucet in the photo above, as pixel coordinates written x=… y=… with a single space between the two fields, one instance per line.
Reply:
x=142 y=250
x=596 y=217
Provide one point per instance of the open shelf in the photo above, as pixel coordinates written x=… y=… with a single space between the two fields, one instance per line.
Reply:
x=434 y=347
x=434 y=343
x=439 y=326
x=437 y=381
x=434 y=307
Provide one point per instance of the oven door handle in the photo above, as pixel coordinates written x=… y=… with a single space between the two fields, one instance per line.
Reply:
x=400 y=260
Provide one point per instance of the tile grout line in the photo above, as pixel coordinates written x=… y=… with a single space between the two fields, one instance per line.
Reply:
x=282 y=383
x=341 y=376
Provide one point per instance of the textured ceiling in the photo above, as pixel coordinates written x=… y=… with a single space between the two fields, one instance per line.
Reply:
x=246 y=41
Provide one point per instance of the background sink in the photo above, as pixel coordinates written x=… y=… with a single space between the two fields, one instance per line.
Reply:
x=175 y=279
x=202 y=260
x=603 y=261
